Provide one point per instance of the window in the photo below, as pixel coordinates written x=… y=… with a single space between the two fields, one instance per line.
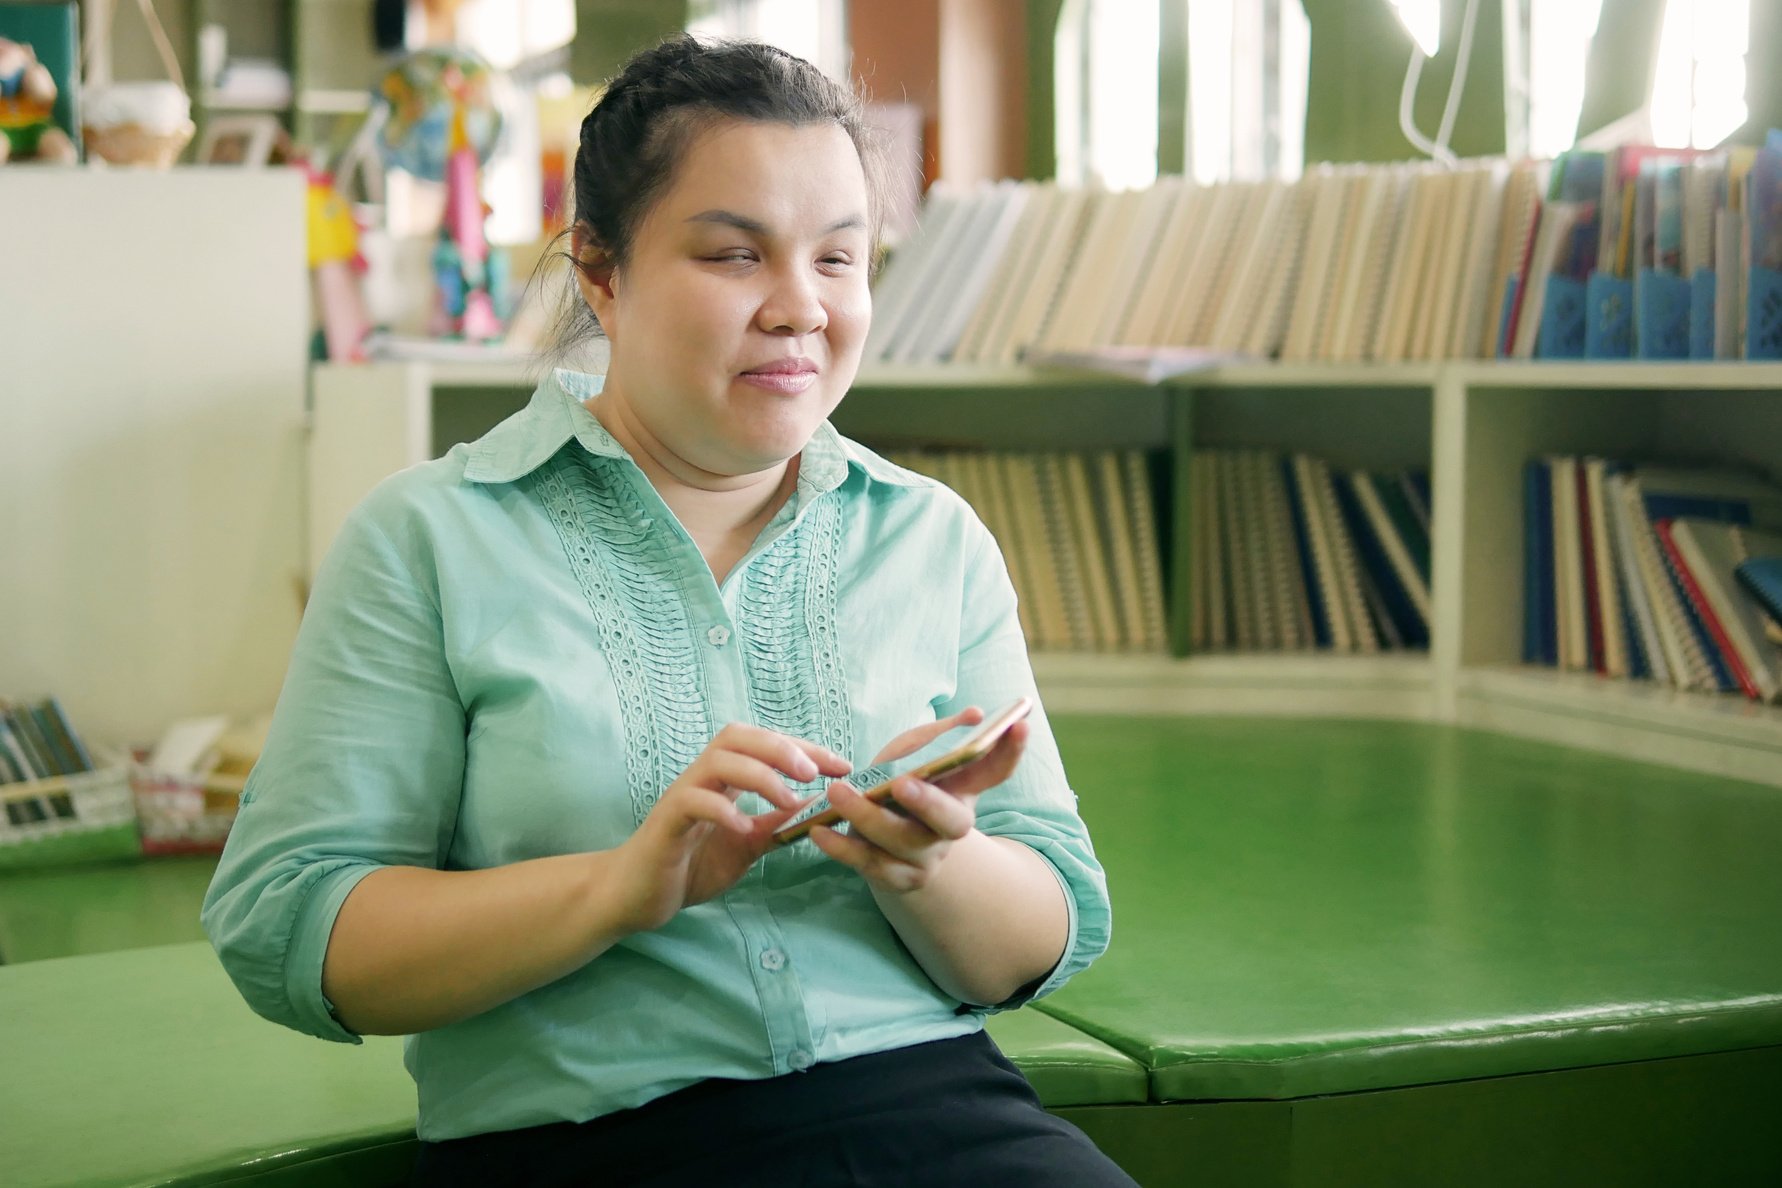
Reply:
x=1698 y=90
x=1698 y=87
x=1106 y=92
x=815 y=30
x=1248 y=68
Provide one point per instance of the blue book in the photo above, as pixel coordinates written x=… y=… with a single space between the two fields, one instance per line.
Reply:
x=1762 y=576
x=1540 y=639
x=1396 y=599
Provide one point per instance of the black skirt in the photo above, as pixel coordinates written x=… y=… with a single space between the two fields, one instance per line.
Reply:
x=951 y=1112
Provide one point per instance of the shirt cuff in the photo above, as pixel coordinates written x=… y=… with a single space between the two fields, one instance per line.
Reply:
x=309 y=947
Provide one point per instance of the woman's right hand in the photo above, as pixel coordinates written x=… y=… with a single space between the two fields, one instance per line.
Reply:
x=696 y=843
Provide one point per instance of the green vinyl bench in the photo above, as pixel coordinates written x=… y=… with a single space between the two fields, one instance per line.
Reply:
x=1344 y=953
x=145 y=1067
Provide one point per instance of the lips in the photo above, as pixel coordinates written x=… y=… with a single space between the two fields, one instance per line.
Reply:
x=793 y=366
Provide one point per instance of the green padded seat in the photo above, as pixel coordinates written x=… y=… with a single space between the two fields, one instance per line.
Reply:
x=144 y=1066
x=1322 y=907
x=1065 y=1066
x=67 y=911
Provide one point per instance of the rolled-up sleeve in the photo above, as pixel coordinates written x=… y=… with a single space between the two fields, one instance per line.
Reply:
x=362 y=768
x=1036 y=805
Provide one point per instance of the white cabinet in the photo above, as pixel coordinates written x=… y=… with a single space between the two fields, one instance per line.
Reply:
x=152 y=374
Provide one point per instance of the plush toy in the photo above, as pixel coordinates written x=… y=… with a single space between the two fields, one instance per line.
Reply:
x=27 y=98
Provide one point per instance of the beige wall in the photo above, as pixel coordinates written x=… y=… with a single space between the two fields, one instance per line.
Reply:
x=151 y=401
x=983 y=82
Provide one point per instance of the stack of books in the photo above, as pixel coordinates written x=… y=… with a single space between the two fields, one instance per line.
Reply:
x=1666 y=574
x=1288 y=553
x=1377 y=263
x=1652 y=253
x=1079 y=534
x=50 y=785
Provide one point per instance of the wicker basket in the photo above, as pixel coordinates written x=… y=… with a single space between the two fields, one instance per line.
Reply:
x=132 y=144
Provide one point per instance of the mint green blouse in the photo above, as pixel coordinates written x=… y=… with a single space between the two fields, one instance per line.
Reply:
x=511 y=651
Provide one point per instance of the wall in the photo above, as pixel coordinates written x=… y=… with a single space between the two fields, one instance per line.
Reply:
x=964 y=63
x=152 y=365
x=983 y=84
x=896 y=59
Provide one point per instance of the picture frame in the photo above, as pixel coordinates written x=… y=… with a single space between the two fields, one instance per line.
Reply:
x=245 y=140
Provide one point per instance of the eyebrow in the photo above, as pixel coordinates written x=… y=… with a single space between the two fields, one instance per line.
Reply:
x=756 y=227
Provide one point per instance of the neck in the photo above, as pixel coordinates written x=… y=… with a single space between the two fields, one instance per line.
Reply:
x=709 y=504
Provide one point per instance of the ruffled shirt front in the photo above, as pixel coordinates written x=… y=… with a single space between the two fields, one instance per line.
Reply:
x=511 y=651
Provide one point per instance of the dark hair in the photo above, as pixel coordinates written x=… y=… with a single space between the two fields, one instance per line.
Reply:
x=638 y=131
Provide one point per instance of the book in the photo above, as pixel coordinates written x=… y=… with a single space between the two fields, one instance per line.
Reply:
x=1137 y=259
x=1400 y=579
x=1122 y=541
x=1091 y=541
x=1635 y=592
x=1153 y=306
x=1150 y=563
x=1608 y=630
x=1146 y=364
x=1329 y=191
x=1570 y=616
x=1539 y=645
x=1014 y=266
x=1762 y=578
x=1728 y=658
x=1240 y=570
x=1710 y=553
x=1688 y=665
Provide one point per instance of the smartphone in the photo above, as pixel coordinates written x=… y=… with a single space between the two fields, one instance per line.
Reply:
x=960 y=757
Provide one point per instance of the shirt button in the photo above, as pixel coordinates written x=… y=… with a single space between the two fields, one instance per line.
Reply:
x=773 y=960
x=800 y=1059
x=719 y=636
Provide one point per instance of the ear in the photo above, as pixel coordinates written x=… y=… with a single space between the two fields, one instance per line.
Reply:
x=595 y=275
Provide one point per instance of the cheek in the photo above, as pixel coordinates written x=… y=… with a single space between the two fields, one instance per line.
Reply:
x=693 y=319
x=850 y=315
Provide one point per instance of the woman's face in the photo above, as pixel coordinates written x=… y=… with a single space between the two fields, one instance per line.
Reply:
x=737 y=324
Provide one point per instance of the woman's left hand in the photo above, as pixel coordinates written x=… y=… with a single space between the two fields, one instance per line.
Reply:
x=899 y=849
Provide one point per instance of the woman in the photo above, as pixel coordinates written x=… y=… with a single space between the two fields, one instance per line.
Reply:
x=554 y=691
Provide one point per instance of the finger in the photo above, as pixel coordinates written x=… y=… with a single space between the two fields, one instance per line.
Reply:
x=945 y=815
x=993 y=768
x=900 y=836
x=684 y=807
x=871 y=862
x=736 y=772
x=799 y=758
x=917 y=737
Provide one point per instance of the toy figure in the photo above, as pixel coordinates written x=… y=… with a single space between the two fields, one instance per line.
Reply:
x=27 y=97
x=464 y=263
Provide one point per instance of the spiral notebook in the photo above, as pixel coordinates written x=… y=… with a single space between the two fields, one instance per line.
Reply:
x=1710 y=552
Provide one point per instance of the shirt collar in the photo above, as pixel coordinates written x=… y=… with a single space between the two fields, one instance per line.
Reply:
x=528 y=439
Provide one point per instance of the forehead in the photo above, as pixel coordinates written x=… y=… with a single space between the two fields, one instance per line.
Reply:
x=789 y=177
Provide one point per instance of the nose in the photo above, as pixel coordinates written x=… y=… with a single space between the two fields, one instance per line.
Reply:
x=792 y=305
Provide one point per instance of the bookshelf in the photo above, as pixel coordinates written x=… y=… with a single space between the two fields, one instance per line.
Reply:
x=1471 y=423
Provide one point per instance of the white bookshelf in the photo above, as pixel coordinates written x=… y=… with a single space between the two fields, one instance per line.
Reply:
x=1472 y=424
